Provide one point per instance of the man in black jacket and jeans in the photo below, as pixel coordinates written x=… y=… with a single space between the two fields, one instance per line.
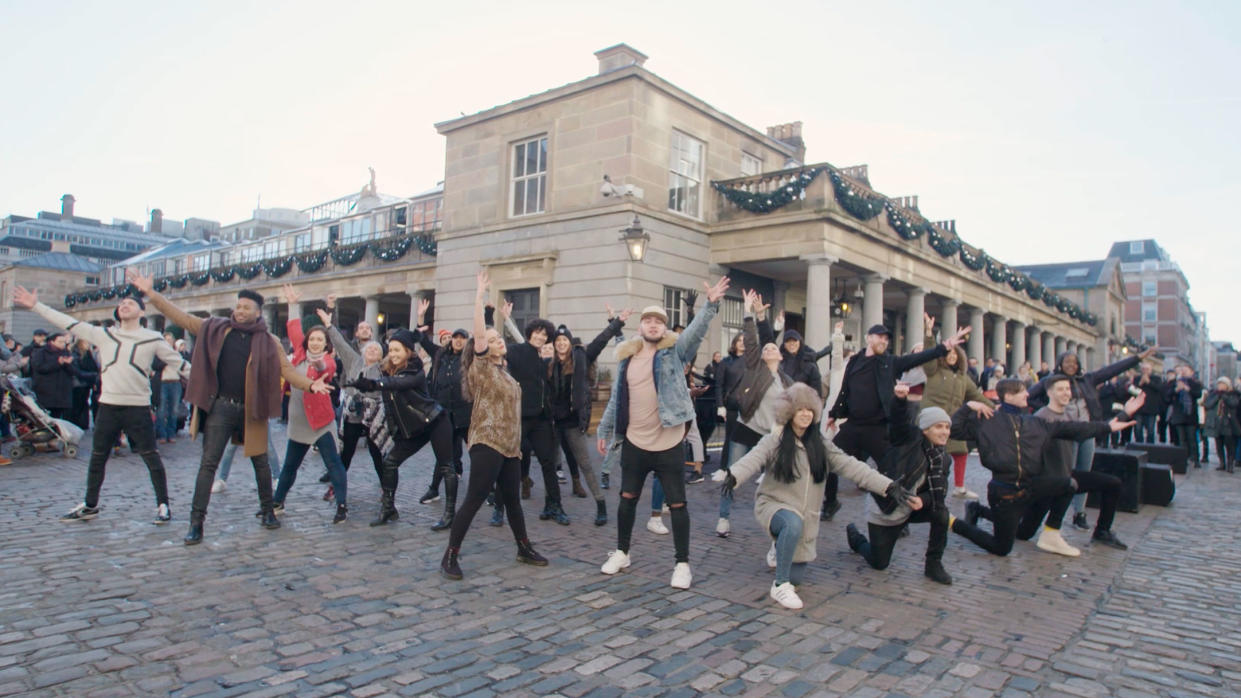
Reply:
x=866 y=399
x=1012 y=444
x=1182 y=394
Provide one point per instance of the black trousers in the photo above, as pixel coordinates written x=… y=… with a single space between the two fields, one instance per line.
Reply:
x=349 y=435
x=225 y=422
x=460 y=434
x=437 y=433
x=878 y=550
x=488 y=468
x=136 y=422
x=1106 y=486
x=861 y=441
x=1187 y=436
x=1161 y=428
x=669 y=467
x=1226 y=449
x=1007 y=504
x=538 y=437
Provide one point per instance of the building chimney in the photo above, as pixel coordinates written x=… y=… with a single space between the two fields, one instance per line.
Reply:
x=157 y=221
x=66 y=207
x=619 y=56
x=790 y=135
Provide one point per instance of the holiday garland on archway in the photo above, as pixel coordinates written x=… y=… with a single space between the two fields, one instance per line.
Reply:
x=767 y=201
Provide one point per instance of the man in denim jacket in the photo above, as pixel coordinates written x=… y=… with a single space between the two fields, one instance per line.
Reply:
x=648 y=413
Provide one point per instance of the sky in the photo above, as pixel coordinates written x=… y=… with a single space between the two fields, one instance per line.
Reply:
x=1047 y=129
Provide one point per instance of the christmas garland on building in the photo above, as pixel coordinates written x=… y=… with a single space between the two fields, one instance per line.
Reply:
x=766 y=201
x=973 y=262
x=250 y=271
x=427 y=245
x=200 y=279
x=392 y=251
x=903 y=227
x=312 y=262
x=278 y=267
x=858 y=205
x=224 y=275
x=348 y=256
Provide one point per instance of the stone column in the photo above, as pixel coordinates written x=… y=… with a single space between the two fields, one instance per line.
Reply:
x=999 y=341
x=1061 y=345
x=269 y=315
x=1088 y=362
x=818 y=301
x=976 y=335
x=1049 y=350
x=295 y=310
x=948 y=318
x=872 y=306
x=1019 y=345
x=372 y=313
x=1036 y=348
x=915 y=332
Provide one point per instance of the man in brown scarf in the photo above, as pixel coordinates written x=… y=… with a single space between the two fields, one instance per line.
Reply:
x=234 y=387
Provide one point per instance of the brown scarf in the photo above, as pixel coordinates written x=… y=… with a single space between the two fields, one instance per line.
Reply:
x=262 y=371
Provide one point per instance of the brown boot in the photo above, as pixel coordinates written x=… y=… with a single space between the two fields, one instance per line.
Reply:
x=526 y=484
x=577 y=488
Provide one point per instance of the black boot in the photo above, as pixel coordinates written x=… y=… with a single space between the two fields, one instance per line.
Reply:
x=449 y=566
x=935 y=570
x=527 y=555
x=556 y=513
x=547 y=510
x=497 y=515
x=387 y=509
x=195 y=534
x=450 y=500
x=601 y=513
x=342 y=512
x=269 y=520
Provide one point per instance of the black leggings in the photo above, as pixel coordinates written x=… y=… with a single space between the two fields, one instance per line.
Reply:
x=490 y=467
x=438 y=433
x=349 y=435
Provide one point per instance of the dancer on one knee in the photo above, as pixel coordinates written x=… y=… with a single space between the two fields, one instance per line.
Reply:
x=312 y=420
x=1012 y=444
x=125 y=402
x=948 y=386
x=919 y=462
x=413 y=420
x=234 y=387
x=758 y=393
x=357 y=363
x=570 y=401
x=495 y=439
x=797 y=459
x=648 y=412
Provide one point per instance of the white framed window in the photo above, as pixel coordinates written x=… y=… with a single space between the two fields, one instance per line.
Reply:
x=356 y=230
x=674 y=305
x=1150 y=312
x=271 y=249
x=302 y=243
x=252 y=254
x=202 y=262
x=1149 y=288
x=732 y=312
x=685 y=174
x=1137 y=247
x=750 y=165
x=528 y=189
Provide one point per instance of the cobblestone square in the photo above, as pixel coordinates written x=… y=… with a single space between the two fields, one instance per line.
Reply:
x=117 y=606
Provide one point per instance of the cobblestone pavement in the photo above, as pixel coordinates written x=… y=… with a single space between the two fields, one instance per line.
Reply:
x=117 y=606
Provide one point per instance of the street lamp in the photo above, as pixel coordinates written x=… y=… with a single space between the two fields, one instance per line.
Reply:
x=636 y=239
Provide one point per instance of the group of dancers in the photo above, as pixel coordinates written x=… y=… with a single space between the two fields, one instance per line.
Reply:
x=505 y=400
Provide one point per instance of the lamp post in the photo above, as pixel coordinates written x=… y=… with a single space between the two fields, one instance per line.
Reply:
x=636 y=240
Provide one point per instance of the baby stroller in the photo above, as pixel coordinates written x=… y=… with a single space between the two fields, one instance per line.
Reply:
x=35 y=429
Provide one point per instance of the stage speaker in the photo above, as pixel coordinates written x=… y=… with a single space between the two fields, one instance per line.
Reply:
x=1126 y=465
x=1157 y=485
x=1164 y=454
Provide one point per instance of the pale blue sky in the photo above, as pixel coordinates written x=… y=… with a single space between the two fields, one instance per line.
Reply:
x=1046 y=129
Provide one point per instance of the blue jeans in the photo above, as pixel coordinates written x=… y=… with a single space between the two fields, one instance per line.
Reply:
x=293 y=456
x=226 y=460
x=735 y=452
x=786 y=528
x=166 y=416
x=1144 y=432
x=1085 y=456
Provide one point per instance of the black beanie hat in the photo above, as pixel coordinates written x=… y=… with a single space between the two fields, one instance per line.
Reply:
x=252 y=295
x=562 y=331
x=405 y=337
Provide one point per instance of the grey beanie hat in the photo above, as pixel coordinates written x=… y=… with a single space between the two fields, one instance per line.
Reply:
x=931 y=416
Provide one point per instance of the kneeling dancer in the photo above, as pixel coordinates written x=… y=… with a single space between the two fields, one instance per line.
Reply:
x=495 y=439
x=798 y=458
x=919 y=461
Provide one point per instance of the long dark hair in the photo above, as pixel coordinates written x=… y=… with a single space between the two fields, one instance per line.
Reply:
x=786 y=454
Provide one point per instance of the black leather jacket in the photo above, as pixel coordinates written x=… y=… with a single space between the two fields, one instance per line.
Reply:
x=1012 y=446
x=407 y=407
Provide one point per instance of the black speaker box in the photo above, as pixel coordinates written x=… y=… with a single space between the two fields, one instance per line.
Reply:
x=1157 y=485
x=1164 y=454
x=1126 y=465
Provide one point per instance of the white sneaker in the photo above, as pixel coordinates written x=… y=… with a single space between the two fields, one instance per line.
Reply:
x=786 y=595
x=681 y=576
x=962 y=493
x=771 y=556
x=1051 y=541
x=656 y=525
x=616 y=562
x=218 y=486
x=722 y=527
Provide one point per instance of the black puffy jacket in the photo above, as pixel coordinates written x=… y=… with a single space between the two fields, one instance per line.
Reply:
x=408 y=408
x=1012 y=446
x=803 y=366
x=445 y=377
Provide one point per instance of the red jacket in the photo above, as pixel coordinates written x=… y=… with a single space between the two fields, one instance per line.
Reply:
x=319 y=411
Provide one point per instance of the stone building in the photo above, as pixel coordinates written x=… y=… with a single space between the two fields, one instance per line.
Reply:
x=1099 y=287
x=1157 y=312
x=52 y=275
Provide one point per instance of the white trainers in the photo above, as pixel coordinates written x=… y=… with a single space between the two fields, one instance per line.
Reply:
x=681 y=576
x=771 y=556
x=722 y=527
x=616 y=562
x=962 y=493
x=1051 y=541
x=786 y=595
x=655 y=525
x=218 y=486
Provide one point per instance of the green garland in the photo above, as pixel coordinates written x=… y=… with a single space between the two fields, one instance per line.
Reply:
x=946 y=247
x=347 y=256
x=998 y=272
x=312 y=262
x=900 y=223
x=1018 y=281
x=160 y=285
x=251 y=271
x=70 y=300
x=392 y=251
x=200 y=279
x=427 y=245
x=278 y=267
x=761 y=202
x=858 y=205
x=971 y=261
x=224 y=275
